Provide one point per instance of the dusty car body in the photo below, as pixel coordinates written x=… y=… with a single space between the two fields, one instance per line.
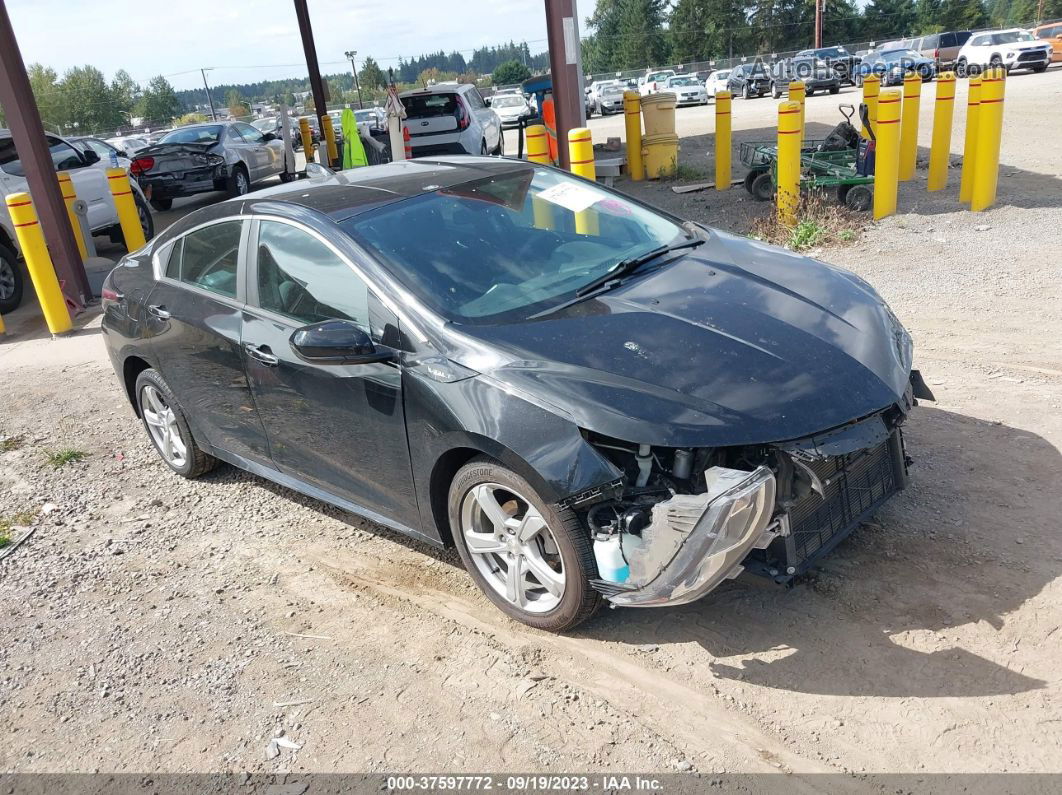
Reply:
x=634 y=431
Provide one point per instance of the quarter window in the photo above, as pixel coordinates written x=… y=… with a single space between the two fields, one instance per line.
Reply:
x=208 y=258
x=302 y=278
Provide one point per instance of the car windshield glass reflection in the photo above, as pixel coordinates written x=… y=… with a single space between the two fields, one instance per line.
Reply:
x=508 y=247
x=193 y=135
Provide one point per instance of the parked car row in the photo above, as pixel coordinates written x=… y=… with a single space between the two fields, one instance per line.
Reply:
x=87 y=171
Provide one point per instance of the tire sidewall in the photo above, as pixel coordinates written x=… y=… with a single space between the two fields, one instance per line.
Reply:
x=577 y=559
x=153 y=378
x=10 y=304
x=147 y=221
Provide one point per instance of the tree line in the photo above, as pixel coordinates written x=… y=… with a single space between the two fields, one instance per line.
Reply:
x=630 y=34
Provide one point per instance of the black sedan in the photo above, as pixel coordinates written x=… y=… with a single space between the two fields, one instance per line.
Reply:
x=893 y=65
x=593 y=400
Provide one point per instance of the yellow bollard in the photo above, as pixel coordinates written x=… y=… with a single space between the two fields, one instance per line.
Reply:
x=581 y=155
x=307 y=138
x=632 y=120
x=3 y=328
x=722 y=140
x=969 y=149
x=940 y=151
x=38 y=262
x=912 y=100
x=787 y=195
x=797 y=93
x=66 y=187
x=887 y=156
x=990 y=133
x=330 y=139
x=871 y=89
x=128 y=217
x=538 y=152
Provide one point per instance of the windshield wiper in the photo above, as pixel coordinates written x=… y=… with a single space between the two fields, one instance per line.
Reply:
x=631 y=264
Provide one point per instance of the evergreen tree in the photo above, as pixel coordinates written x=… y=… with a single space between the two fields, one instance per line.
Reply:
x=371 y=76
x=509 y=73
x=889 y=19
x=641 y=38
x=158 y=104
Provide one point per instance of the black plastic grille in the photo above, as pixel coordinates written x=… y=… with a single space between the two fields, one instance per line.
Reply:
x=854 y=485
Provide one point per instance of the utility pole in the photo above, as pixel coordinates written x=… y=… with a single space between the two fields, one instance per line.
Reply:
x=818 y=22
x=562 y=31
x=320 y=98
x=352 y=54
x=210 y=100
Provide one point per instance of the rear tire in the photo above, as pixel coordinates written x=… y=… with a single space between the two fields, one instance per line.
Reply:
x=750 y=178
x=157 y=404
x=763 y=187
x=564 y=543
x=239 y=182
x=835 y=89
x=147 y=222
x=162 y=204
x=11 y=281
x=859 y=198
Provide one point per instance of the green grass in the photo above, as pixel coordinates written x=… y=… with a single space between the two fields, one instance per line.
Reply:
x=64 y=457
x=687 y=172
x=10 y=443
x=820 y=222
x=20 y=519
x=808 y=233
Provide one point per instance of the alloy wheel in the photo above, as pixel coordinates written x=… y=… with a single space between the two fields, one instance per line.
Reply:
x=241 y=183
x=7 y=280
x=512 y=547
x=162 y=425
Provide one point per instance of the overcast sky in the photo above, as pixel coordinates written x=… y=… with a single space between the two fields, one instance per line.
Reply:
x=147 y=37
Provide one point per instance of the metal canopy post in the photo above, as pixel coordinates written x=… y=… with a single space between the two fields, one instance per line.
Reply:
x=320 y=102
x=562 y=30
x=24 y=120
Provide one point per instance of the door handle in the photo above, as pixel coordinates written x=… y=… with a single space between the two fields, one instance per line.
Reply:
x=159 y=311
x=261 y=354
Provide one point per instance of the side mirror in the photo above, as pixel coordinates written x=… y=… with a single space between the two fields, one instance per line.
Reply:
x=336 y=342
x=269 y=136
x=488 y=100
x=122 y=153
x=90 y=156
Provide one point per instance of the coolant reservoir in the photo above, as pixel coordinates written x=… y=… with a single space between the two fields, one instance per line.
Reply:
x=611 y=565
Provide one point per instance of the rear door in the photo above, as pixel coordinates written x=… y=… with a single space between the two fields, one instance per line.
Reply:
x=268 y=155
x=195 y=317
x=430 y=113
x=487 y=118
x=339 y=427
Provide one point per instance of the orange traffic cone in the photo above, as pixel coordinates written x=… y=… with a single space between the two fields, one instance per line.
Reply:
x=408 y=142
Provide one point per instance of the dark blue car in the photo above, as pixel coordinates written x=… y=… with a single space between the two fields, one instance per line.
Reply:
x=892 y=65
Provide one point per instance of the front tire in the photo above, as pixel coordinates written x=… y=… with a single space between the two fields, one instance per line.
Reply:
x=530 y=558
x=168 y=429
x=10 y=281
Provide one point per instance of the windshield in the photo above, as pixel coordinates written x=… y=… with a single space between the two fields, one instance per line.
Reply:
x=896 y=55
x=506 y=247
x=193 y=135
x=507 y=101
x=611 y=90
x=723 y=75
x=683 y=81
x=831 y=52
x=658 y=77
x=365 y=115
x=265 y=125
x=1011 y=36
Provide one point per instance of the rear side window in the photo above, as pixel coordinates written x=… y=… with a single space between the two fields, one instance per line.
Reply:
x=979 y=41
x=946 y=40
x=962 y=37
x=208 y=258
x=429 y=105
x=9 y=161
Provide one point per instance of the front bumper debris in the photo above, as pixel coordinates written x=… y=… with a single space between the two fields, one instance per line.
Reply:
x=695 y=541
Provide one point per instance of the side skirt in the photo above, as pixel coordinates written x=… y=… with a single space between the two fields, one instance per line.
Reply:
x=309 y=490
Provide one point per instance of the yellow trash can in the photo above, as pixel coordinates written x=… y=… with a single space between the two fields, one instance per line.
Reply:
x=658 y=113
x=660 y=155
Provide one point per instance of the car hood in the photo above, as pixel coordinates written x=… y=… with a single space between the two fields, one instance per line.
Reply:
x=734 y=343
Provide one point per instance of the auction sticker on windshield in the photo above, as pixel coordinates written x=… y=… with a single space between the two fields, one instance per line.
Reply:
x=570 y=195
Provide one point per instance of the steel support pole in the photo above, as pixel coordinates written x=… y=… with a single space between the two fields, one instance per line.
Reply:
x=24 y=120
x=320 y=102
x=562 y=31
x=210 y=99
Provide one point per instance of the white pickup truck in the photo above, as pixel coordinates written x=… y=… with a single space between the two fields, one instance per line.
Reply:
x=89 y=176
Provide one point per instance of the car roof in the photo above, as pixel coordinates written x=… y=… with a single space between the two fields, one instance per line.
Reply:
x=438 y=88
x=346 y=194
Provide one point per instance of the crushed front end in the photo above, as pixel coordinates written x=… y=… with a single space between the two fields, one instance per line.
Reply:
x=683 y=520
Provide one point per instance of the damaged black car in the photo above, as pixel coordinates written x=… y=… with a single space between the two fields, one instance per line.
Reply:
x=594 y=401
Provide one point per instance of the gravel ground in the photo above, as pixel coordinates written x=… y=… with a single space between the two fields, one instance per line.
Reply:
x=152 y=623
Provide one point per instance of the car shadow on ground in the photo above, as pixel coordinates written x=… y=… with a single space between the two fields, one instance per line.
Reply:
x=972 y=539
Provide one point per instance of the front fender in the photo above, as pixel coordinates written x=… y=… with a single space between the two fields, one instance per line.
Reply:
x=477 y=415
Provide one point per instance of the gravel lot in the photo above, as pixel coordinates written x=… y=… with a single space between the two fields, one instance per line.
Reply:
x=152 y=623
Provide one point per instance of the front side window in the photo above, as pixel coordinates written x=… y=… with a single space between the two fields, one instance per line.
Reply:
x=64 y=156
x=506 y=247
x=208 y=258
x=249 y=133
x=303 y=279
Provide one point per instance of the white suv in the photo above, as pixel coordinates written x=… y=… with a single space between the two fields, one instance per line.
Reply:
x=1012 y=49
x=89 y=176
x=451 y=119
x=654 y=81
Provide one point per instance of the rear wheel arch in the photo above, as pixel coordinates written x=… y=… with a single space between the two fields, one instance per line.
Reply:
x=132 y=367
x=7 y=240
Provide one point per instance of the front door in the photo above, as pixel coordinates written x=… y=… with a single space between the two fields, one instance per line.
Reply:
x=258 y=151
x=339 y=427
x=195 y=318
